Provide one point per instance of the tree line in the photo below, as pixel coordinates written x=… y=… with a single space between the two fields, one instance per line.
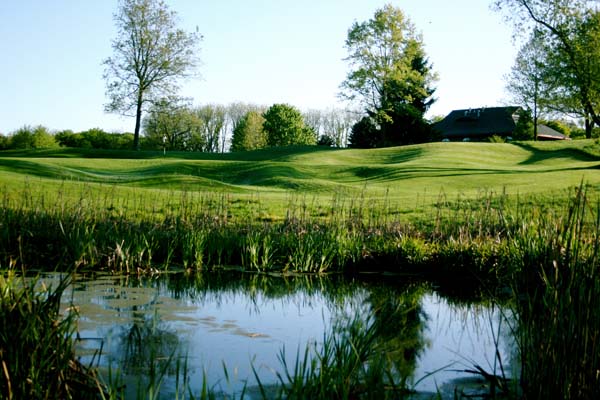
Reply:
x=390 y=83
x=391 y=79
x=214 y=128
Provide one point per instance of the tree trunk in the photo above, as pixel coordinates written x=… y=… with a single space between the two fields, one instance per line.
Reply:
x=589 y=127
x=138 y=121
x=535 y=116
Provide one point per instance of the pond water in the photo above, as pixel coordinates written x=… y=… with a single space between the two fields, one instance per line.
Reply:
x=244 y=322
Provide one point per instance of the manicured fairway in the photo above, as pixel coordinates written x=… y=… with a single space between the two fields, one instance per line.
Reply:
x=404 y=176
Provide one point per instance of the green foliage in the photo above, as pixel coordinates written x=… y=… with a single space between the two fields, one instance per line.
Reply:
x=326 y=140
x=36 y=344
x=364 y=134
x=4 y=142
x=527 y=81
x=249 y=133
x=496 y=139
x=524 y=126
x=213 y=118
x=284 y=126
x=94 y=138
x=391 y=77
x=150 y=55
x=171 y=125
x=29 y=137
x=567 y=58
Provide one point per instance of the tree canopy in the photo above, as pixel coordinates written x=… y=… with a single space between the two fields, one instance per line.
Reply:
x=150 y=55
x=528 y=82
x=284 y=126
x=571 y=56
x=391 y=76
x=249 y=133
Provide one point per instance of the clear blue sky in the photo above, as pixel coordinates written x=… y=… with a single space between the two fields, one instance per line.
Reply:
x=257 y=51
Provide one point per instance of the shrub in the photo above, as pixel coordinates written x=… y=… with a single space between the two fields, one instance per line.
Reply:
x=28 y=137
x=496 y=139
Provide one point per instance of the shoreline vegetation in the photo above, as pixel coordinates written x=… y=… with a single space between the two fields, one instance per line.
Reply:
x=540 y=249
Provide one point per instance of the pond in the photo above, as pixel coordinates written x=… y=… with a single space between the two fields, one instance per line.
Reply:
x=227 y=328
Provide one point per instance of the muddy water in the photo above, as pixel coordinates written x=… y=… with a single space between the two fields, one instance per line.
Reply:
x=212 y=322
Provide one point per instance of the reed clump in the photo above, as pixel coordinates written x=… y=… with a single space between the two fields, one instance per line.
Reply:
x=466 y=237
x=557 y=285
x=37 y=356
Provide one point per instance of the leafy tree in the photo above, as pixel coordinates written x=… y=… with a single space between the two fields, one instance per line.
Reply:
x=249 y=133
x=528 y=82
x=238 y=111
x=170 y=123
x=365 y=134
x=524 y=129
x=4 y=142
x=391 y=76
x=150 y=55
x=214 y=121
x=29 y=137
x=325 y=140
x=67 y=138
x=284 y=126
x=572 y=32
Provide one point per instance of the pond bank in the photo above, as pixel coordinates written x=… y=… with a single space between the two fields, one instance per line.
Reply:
x=547 y=260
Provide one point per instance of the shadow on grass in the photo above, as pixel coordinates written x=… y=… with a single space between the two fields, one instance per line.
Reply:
x=273 y=153
x=538 y=155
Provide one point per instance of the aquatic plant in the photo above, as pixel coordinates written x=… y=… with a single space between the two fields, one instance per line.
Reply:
x=36 y=344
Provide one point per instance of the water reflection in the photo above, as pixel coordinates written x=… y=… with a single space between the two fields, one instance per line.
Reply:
x=156 y=326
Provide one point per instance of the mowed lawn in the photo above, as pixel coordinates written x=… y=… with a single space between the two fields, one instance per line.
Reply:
x=403 y=176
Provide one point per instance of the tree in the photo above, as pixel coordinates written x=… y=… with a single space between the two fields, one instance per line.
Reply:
x=4 y=142
x=364 y=134
x=249 y=133
x=528 y=80
x=391 y=76
x=524 y=127
x=572 y=31
x=28 y=137
x=214 y=121
x=170 y=123
x=284 y=126
x=150 y=55
x=337 y=125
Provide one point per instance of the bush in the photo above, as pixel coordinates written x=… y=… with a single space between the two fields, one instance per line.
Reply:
x=95 y=138
x=326 y=140
x=496 y=139
x=32 y=138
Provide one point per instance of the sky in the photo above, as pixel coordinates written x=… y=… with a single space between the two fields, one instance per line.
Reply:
x=253 y=51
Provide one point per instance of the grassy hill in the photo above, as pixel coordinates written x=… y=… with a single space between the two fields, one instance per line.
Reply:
x=402 y=175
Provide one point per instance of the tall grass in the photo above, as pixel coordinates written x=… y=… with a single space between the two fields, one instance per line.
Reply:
x=462 y=236
x=37 y=356
x=557 y=282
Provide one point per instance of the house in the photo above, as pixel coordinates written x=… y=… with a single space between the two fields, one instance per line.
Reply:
x=546 y=133
x=479 y=124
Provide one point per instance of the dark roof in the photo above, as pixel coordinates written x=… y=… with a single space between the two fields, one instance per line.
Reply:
x=479 y=122
x=546 y=133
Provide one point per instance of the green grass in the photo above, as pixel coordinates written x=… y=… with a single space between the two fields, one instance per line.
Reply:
x=37 y=355
x=403 y=176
